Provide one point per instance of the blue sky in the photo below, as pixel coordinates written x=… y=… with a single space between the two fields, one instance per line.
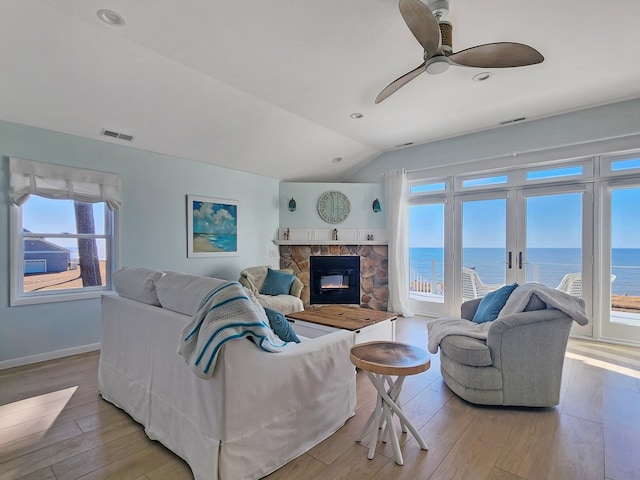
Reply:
x=554 y=221
x=214 y=218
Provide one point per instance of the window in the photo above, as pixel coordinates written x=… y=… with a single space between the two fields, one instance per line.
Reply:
x=428 y=187
x=62 y=224
x=484 y=181
x=555 y=172
x=632 y=164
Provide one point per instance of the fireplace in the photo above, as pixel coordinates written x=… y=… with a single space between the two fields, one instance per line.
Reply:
x=334 y=279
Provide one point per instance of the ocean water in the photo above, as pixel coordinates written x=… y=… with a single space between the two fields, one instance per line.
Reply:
x=226 y=243
x=544 y=265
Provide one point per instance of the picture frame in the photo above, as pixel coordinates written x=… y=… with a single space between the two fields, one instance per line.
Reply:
x=212 y=227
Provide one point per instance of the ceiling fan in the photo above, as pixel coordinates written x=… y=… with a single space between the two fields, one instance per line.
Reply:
x=435 y=35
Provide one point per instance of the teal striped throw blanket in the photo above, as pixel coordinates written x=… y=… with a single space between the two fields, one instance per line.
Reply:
x=226 y=313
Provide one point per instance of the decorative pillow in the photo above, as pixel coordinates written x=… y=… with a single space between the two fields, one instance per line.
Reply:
x=137 y=283
x=277 y=283
x=182 y=293
x=281 y=326
x=492 y=303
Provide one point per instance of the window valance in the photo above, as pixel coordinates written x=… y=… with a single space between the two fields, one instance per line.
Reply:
x=59 y=182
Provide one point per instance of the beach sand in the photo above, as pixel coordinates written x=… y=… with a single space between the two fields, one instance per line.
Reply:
x=58 y=281
x=201 y=244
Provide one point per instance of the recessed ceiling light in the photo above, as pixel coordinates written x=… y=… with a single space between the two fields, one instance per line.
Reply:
x=110 y=17
x=355 y=116
x=481 y=77
x=336 y=160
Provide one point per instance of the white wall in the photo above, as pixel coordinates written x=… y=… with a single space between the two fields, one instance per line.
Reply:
x=603 y=129
x=360 y=195
x=152 y=231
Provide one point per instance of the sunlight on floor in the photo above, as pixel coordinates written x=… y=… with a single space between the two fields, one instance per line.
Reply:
x=41 y=411
x=605 y=365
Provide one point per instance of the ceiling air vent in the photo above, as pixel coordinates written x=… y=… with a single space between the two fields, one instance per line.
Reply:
x=507 y=122
x=121 y=136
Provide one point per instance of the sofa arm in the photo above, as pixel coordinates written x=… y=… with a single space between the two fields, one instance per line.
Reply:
x=530 y=327
x=296 y=287
x=265 y=386
x=245 y=282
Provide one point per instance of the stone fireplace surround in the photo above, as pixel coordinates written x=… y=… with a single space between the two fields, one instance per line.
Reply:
x=374 y=288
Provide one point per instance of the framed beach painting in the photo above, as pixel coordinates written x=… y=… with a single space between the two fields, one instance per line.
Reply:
x=212 y=227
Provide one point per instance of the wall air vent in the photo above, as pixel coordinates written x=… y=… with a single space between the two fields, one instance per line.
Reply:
x=507 y=122
x=121 y=136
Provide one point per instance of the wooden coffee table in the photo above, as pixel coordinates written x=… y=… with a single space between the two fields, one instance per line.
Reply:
x=368 y=324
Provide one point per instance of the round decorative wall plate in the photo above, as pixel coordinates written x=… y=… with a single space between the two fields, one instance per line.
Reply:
x=333 y=206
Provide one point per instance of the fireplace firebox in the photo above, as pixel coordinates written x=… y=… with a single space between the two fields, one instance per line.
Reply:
x=334 y=279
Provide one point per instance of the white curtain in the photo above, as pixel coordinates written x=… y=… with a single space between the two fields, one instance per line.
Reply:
x=58 y=181
x=398 y=226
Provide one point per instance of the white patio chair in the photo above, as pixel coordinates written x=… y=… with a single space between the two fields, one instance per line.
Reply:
x=571 y=283
x=472 y=285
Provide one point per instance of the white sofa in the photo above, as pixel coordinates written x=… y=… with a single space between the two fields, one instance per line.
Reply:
x=259 y=411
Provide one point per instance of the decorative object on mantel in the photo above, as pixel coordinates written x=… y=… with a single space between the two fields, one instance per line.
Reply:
x=335 y=234
x=292 y=205
x=333 y=206
x=376 y=206
x=286 y=234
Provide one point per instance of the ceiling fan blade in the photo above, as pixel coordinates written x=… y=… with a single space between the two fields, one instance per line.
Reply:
x=497 y=55
x=422 y=24
x=399 y=82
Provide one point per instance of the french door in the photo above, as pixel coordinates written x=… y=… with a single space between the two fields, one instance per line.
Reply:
x=524 y=235
x=620 y=261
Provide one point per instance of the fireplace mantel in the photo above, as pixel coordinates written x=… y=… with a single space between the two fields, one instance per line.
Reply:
x=326 y=236
x=331 y=242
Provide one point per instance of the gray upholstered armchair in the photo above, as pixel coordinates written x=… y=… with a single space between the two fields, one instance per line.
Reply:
x=520 y=362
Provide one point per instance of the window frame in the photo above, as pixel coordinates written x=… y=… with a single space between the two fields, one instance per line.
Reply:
x=18 y=296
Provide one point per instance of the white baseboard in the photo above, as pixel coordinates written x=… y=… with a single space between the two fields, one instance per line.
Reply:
x=43 y=357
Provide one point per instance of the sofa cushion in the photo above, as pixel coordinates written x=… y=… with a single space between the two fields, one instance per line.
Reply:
x=137 y=283
x=182 y=293
x=277 y=283
x=492 y=303
x=281 y=326
x=466 y=350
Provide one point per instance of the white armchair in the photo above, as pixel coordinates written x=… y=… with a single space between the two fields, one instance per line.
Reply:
x=254 y=277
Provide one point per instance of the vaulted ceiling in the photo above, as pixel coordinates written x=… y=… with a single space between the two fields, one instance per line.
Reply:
x=268 y=86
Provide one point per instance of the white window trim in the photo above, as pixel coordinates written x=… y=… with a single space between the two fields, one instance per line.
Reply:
x=53 y=181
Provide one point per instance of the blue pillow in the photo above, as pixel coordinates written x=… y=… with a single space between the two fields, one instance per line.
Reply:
x=492 y=303
x=277 y=283
x=281 y=326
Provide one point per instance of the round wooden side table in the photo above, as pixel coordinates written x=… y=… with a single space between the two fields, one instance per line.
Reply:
x=381 y=360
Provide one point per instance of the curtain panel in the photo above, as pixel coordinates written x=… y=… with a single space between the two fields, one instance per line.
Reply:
x=62 y=182
x=398 y=227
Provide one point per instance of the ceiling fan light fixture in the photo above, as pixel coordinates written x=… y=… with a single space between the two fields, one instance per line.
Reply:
x=438 y=64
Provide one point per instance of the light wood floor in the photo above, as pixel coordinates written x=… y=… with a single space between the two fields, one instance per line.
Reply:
x=53 y=425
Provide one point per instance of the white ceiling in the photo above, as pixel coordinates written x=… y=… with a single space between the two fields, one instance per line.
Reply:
x=267 y=86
